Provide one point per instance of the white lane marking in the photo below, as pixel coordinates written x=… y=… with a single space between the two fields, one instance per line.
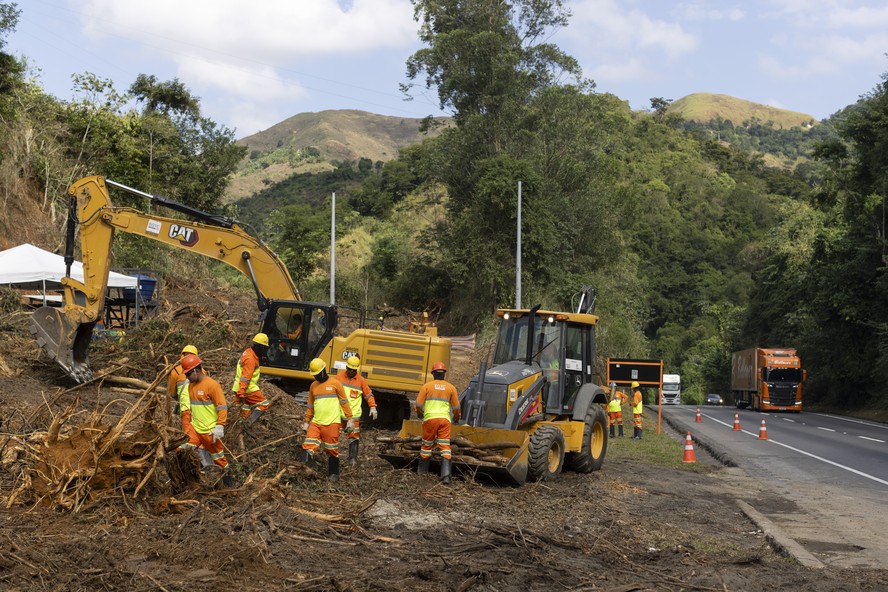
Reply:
x=826 y=429
x=829 y=462
x=789 y=420
x=872 y=439
x=852 y=420
x=814 y=456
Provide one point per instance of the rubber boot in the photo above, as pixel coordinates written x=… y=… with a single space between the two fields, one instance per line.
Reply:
x=635 y=433
x=254 y=415
x=309 y=459
x=353 y=447
x=620 y=428
x=423 y=468
x=445 y=471
x=205 y=459
x=612 y=431
x=639 y=433
x=333 y=469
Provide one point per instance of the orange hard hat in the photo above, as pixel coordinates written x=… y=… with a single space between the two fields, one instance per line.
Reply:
x=190 y=362
x=439 y=366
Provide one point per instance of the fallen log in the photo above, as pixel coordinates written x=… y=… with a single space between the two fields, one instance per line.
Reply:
x=398 y=439
x=465 y=443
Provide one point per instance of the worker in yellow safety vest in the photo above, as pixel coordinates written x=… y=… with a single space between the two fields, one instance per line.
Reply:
x=356 y=389
x=326 y=400
x=437 y=404
x=637 y=403
x=615 y=409
x=178 y=384
x=247 y=394
x=206 y=414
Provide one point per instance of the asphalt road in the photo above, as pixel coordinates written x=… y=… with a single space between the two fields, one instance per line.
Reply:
x=823 y=478
x=829 y=448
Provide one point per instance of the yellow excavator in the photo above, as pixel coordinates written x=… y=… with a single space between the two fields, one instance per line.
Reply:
x=535 y=410
x=298 y=331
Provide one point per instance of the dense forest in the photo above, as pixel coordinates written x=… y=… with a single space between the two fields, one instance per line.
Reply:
x=696 y=247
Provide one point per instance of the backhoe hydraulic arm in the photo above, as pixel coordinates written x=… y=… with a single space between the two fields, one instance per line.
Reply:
x=65 y=333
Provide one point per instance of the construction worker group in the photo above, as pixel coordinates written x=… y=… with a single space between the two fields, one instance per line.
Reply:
x=334 y=403
x=615 y=410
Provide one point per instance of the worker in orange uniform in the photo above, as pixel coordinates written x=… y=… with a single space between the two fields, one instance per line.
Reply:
x=356 y=389
x=326 y=402
x=204 y=414
x=437 y=405
x=615 y=409
x=247 y=394
x=637 y=404
x=178 y=384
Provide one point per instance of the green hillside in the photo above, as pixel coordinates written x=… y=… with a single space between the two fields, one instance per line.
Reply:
x=309 y=142
x=706 y=107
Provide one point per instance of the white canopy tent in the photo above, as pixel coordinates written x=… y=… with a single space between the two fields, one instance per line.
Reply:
x=27 y=266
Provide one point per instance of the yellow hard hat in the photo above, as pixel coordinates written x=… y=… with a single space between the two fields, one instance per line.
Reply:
x=189 y=349
x=635 y=384
x=317 y=366
x=353 y=363
x=261 y=339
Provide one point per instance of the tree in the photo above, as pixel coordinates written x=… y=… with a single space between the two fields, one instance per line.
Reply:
x=166 y=98
x=11 y=69
x=484 y=54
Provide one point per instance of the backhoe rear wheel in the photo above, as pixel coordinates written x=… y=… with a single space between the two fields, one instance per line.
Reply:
x=591 y=457
x=545 y=456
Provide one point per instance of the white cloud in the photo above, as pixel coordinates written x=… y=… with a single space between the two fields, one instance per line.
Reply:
x=701 y=11
x=628 y=70
x=259 y=83
x=613 y=28
x=861 y=17
x=273 y=31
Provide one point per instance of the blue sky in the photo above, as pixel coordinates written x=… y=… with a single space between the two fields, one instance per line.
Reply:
x=254 y=64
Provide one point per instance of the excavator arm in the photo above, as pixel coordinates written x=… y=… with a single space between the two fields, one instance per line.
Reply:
x=65 y=333
x=298 y=331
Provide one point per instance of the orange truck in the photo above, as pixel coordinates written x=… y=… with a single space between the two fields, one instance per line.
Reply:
x=767 y=379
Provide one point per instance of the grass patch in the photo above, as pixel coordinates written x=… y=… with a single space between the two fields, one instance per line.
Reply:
x=655 y=449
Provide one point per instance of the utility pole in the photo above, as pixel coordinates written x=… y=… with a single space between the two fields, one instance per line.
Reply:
x=333 y=251
x=518 y=255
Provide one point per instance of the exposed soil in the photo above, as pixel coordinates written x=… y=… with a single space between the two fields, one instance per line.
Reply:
x=630 y=526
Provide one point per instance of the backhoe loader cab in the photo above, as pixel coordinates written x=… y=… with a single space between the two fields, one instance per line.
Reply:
x=537 y=403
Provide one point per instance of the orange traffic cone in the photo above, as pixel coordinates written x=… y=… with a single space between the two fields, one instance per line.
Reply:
x=689 y=456
x=699 y=418
x=736 y=422
x=763 y=431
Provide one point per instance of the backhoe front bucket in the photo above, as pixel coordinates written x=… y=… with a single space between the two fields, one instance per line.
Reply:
x=489 y=454
x=64 y=340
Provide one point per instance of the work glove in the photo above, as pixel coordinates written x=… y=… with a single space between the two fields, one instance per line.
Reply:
x=350 y=425
x=218 y=432
x=373 y=413
x=304 y=426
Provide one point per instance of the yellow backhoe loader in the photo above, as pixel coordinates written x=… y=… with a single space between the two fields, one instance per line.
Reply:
x=535 y=410
x=298 y=331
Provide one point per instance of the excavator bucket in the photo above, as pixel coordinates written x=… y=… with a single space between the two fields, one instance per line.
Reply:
x=65 y=341
x=486 y=454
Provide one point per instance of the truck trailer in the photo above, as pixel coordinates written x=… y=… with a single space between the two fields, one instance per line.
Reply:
x=767 y=379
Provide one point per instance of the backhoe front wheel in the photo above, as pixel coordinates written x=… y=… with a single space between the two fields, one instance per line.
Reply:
x=591 y=457
x=545 y=454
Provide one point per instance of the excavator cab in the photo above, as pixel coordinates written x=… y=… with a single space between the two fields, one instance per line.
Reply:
x=297 y=332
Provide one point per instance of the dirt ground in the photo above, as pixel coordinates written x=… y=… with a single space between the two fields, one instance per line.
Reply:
x=630 y=526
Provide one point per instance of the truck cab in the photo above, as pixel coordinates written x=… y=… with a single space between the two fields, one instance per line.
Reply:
x=671 y=389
